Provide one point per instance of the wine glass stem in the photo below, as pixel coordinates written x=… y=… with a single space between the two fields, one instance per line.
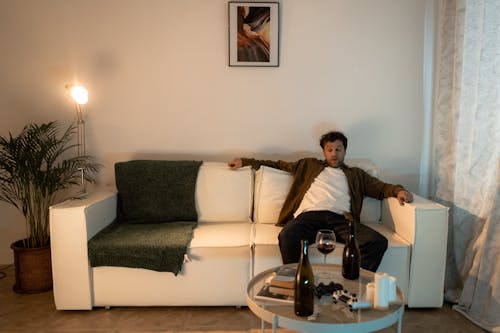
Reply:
x=324 y=259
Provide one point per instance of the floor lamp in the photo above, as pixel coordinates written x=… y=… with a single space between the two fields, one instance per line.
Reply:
x=80 y=96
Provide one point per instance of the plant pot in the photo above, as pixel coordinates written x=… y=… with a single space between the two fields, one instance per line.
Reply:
x=33 y=269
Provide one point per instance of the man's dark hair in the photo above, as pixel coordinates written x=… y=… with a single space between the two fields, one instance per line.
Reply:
x=331 y=137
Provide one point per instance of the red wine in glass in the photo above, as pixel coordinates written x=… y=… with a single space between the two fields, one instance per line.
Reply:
x=325 y=242
x=326 y=248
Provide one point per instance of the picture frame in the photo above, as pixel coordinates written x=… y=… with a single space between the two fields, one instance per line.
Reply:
x=253 y=33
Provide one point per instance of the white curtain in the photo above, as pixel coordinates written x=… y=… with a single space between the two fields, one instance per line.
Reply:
x=466 y=155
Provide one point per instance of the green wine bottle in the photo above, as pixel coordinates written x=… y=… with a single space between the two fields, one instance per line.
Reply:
x=304 y=285
x=351 y=257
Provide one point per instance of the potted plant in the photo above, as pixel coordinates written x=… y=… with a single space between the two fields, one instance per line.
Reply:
x=34 y=167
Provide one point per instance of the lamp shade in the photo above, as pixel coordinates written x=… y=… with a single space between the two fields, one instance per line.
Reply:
x=80 y=94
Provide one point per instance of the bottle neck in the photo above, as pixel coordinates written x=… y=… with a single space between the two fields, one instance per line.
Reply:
x=352 y=229
x=304 y=247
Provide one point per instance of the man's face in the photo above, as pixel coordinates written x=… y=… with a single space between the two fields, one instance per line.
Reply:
x=334 y=153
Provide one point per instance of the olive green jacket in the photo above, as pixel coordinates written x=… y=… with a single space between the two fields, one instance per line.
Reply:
x=305 y=170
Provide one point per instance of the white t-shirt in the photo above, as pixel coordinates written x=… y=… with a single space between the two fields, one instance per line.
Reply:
x=329 y=191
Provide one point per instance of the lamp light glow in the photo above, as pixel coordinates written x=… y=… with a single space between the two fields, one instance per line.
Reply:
x=79 y=94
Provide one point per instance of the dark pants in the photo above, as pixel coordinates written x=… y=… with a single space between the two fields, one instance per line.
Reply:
x=372 y=245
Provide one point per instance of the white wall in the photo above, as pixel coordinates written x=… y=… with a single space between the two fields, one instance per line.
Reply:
x=159 y=82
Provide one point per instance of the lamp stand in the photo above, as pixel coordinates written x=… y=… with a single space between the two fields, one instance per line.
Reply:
x=80 y=130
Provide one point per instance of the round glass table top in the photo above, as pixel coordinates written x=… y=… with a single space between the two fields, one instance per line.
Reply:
x=328 y=313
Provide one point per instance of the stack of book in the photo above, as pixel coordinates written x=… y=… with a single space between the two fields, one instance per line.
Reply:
x=280 y=286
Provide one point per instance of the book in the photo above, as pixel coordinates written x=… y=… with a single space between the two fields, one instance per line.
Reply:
x=267 y=295
x=283 y=281
x=284 y=277
x=283 y=291
x=287 y=271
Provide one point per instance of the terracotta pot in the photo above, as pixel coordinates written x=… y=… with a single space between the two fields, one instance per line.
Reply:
x=33 y=269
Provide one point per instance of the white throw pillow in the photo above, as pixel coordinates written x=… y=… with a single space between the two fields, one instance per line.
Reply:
x=224 y=195
x=271 y=188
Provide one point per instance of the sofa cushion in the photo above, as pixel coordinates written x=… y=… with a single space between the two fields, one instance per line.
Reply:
x=265 y=234
x=372 y=210
x=364 y=164
x=272 y=186
x=156 y=191
x=221 y=235
x=157 y=246
x=224 y=195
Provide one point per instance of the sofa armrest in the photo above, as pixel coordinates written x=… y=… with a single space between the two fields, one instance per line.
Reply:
x=424 y=224
x=72 y=224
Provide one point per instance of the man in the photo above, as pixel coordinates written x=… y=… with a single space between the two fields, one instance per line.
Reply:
x=322 y=195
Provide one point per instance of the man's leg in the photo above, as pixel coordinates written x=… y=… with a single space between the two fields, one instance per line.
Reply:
x=372 y=245
x=290 y=236
x=305 y=226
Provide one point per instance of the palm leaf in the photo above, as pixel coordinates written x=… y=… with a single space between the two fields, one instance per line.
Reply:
x=33 y=170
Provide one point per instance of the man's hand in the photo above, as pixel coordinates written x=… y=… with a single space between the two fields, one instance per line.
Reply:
x=235 y=163
x=404 y=196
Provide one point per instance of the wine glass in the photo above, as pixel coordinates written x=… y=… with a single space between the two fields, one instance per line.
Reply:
x=325 y=242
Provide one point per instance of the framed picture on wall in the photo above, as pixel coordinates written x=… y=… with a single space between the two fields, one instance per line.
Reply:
x=254 y=34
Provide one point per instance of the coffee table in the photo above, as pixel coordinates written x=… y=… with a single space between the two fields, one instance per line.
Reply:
x=329 y=316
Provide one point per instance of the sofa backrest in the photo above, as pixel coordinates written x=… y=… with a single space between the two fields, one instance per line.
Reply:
x=224 y=195
x=272 y=186
x=156 y=191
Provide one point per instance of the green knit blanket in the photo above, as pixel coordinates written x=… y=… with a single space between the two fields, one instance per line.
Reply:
x=158 y=247
x=156 y=216
x=156 y=191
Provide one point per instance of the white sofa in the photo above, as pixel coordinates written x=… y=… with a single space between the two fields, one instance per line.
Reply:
x=235 y=239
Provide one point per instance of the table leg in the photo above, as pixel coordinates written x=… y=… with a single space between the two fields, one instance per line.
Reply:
x=262 y=323
x=275 y=324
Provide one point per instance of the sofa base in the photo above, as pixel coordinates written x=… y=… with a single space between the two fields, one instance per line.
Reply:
x=200 y=283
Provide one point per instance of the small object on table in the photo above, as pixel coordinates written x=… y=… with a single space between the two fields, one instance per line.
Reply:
x=370 y=290
x=384 y=290
x=327 y=289
x=360 y=305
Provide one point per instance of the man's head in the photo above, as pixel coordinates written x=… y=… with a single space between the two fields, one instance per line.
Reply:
x=334 y=145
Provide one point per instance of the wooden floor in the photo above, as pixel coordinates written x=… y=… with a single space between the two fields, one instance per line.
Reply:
x=37 y=313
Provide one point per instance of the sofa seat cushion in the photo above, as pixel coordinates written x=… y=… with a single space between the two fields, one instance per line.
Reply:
x=158 y=246
x=221 y=235
x=267 y=234
x=394 y=239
